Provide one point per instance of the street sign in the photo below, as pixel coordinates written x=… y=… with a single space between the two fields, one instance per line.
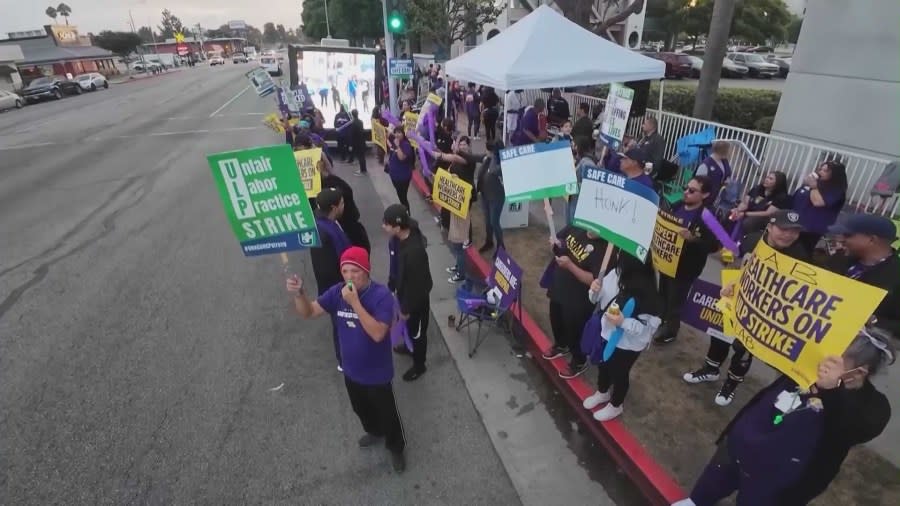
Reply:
x=182 y=49
x=401 y=68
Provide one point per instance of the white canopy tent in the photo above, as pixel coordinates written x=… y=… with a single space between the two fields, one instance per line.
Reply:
x=546 y=50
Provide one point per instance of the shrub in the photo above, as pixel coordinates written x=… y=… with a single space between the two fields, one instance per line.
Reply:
x=764 y=124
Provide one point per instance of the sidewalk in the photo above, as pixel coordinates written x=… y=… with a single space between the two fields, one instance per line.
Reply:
x=129 y=78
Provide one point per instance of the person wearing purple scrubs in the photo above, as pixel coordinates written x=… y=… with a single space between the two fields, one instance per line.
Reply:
x=717 y=168
x=400 y=163
x=819 y=201
x=363 y=311
x=529 y=128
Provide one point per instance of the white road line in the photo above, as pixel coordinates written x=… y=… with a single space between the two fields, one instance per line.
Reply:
x=183 y=132
x=241 y=115
x=26 y=146
x=232 y=99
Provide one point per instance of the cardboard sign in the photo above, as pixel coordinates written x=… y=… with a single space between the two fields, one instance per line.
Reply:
x=434 y=98
x=308 y=165
x=618 y=209
x=701 y=310
x=791 y=314
x=452 y=193
x=615 y=115
x=538 y=171
x=264 y=199
x=379 y=135
x=667 y=244
x=505 y=280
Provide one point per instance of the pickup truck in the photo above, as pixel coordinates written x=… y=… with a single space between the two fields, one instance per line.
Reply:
x=44 y=88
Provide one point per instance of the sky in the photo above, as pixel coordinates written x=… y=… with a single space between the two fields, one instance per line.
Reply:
x=96 y=15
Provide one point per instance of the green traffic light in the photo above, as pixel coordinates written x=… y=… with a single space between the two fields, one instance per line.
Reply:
x=395 y=22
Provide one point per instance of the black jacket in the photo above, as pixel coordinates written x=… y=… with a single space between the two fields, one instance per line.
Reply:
x=357 y=133
x=886 y=276
x=583 y=127
x=413 y=283
x=349 y=221
x=326 y=264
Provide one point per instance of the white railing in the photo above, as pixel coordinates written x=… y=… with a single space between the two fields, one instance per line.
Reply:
x=795 y=158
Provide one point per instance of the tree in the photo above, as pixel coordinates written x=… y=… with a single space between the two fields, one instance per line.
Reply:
x=170 y=25
x=355 y=20
x=64 y=11
x=120 y=43
x=792 y=31
x=51 y=11
x=760 y=21
x=270 y=34
x=716 y=47
x=146 y=34
x=282 y=33
x=448 y=21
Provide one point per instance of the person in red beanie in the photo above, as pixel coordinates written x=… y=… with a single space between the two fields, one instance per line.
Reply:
x=363 y=311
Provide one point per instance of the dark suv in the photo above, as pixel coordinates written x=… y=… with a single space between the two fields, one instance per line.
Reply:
x=677 y=65
x=44 y=88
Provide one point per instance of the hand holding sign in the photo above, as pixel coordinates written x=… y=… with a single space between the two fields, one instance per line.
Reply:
x=294 y=284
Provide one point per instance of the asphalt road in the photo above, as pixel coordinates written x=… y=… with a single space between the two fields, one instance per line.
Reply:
x=141 y=353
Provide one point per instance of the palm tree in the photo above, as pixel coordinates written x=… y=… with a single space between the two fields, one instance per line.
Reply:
x=716 y=47
x=52 y=13
x=64 y=11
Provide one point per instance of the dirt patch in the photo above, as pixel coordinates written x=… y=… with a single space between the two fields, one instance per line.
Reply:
x=678 y=423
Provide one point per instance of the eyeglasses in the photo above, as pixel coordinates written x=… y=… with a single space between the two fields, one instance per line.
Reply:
x=688 y=189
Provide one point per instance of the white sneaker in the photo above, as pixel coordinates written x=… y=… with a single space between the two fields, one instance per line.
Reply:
x=340 y=369
x=607 y=413
x=596 y=399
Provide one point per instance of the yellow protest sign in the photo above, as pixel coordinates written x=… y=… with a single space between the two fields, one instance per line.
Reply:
x=726 y=304
x=667 y=243
x=308 y=163
x=379 y=135
x=410 y=121
x=435 y=99
x=273 y=121
x=791 y=314
x=452 y=193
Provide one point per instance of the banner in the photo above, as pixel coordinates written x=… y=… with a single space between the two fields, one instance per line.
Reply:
x=505 y=281
x=452 y=193
x=410 y=122
x=615 y=115
x=379 y=135
x=261 y=81
x=308 y=165
x=791 y=314
x=538 y=171
x=667 y=243
x=702 y=310
x=618 y=209
x=264 y=199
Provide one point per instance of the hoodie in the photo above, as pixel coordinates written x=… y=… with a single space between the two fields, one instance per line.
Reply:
x=412 y=279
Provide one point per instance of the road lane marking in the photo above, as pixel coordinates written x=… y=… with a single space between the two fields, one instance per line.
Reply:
x=232 y=99
x=26 y=146
x=240 y=115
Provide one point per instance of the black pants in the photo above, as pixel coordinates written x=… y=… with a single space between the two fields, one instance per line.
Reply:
x=474 y=122
x=377 y=411
x=614 y=374
x=567 y=322
x=417 y=326
x=740 y=361
x=402 y=188
x=343 y=148
x=674 y=292
x=490 y=123
x=359 y=152
x=334 y=338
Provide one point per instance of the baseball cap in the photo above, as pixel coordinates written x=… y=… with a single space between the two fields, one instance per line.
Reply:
x=356 y=256
x=865 y=224
x=786 y=218
x=638 y=155
x=397 y=216
x=328 y=198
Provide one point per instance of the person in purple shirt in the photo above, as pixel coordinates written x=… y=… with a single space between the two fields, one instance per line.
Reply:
x=632 y=166
x=819 y=201
x=717 y=168
x=363 y=311
x=400 y=164
x=528 y=130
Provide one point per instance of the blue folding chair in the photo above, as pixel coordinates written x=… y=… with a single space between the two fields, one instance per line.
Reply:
x=474 y=309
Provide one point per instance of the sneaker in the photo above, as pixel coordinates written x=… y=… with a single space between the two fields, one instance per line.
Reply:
x=574 y=371
x=340 y=369
x=607 y=413
x=437 y=220
x=398 y=460
x=414 y=373
x=451 y=270
x=467 y=244
x=456 y=278
x=487 y=247
x=702 y=375
x=555 y=351
x=664 y=338
x=596 y=399
x=368 y=440
x=726 y=393
x=358 y=173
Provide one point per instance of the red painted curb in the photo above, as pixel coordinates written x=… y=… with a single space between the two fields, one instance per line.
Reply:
x=657 y=485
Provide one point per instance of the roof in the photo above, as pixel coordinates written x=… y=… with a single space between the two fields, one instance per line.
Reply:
x=190 y=40
x=11 y=53
x=37 y=50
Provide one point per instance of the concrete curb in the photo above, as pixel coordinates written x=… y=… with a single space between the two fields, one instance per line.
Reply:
x=654 y=482
x=132 y=79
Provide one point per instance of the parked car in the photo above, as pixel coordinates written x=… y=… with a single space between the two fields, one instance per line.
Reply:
x=9 y=100
x=44 y=88
x=677 y=65
x=146 y=67
x=239 y=58
x=92 y=81
x=696 y=66
x=216 y=60
x=270 y=65
x=732 y=69
x=784 y=64
x=757 y=65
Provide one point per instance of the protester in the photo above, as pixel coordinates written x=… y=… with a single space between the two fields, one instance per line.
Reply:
x=343 y=134
x=493 y=198
x=444 y=142
x=557 y=108
x=358 y=142
x=781 y=234
x=463 y=165
x=787 y=444
x=585 y=160
x=472 y=100
x=513 y=106
x=632 y=166
x=410 y=279
x=349 y=220
x=490 y=113
x=632 y=279
x=376 y=117
x=529 y=128
x=867 y=256
x=583 y=127
x=699 y=242
x=578 y=257
x=400 y=164
x=565 y=134
x=652 y=142
x=819 y=201
x=762 y=202
x=717 y=168
x=363 y=312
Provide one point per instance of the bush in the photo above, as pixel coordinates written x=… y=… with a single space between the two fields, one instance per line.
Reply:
x=738 y=107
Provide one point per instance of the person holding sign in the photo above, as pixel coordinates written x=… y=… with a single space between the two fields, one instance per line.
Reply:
x=820 y=199
x=326 y=259
x=357 y=142
x=400 y=164
x=362 y=310
x=787 y=444
x=349 y=220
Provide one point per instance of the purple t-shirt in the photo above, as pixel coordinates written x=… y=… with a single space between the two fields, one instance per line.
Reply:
x=644 y=179
x=363 y=360
x=401 y=170
x=687 y=216
x=817 y=219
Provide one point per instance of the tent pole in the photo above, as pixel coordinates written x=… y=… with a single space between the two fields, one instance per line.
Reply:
x=505 y=118
x=662 y=87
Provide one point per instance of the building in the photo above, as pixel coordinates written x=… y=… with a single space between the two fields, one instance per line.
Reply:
x=57 y=50
x=10 y=57
x=224 y=45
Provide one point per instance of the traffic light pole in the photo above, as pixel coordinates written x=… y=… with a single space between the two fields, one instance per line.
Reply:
x=389 y=53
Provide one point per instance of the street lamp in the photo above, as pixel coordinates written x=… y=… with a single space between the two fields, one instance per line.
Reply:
x=327 y=24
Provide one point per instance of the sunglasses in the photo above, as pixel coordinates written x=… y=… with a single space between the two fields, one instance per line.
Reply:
x=688 y=189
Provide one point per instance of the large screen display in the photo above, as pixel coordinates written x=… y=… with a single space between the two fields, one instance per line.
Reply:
x=334 y=79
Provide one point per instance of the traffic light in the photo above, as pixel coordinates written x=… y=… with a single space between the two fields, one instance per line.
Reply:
x=396 y=23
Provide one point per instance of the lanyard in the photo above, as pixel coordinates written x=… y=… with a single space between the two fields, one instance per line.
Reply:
x=858 y=269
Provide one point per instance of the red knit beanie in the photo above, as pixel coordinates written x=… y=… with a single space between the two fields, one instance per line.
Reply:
x=356 y=256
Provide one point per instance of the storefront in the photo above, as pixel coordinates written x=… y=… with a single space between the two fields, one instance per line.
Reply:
x=61 y=52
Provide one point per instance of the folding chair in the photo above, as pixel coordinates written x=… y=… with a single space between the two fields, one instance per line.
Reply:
x=474 y=309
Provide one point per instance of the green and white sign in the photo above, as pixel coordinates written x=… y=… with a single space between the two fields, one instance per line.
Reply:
x=264 y=199
x=538 y=171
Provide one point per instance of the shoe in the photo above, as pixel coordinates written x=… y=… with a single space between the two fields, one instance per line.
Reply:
x=368 y=440
x=437 y=220
x=574 y=371
x=702 y=375
x=596 y=399
x=414 y=373
x=685 y=502
x=664 y=336
x=402 y=350
x=487 y=247
x=467 y=244
x=457 y=278
x=726 y=393
x=607 y=413
x=451 y=270
x=555 y=351
x=398 y=460
x=340 y=369
x=358 y=173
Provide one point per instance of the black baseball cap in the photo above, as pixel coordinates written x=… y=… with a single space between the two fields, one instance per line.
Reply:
x=786 y=219
x=396 y=216
x=328 y=198
x=638 y=155
x=866 y=224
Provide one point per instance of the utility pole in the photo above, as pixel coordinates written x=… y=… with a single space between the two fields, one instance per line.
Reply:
x=200 y=34
x=327 y=24
x=716 y=47
x=389 y=54
x=141 y=53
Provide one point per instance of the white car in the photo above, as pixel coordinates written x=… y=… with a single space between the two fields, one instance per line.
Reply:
x=146 y=67
x=216 y=60
x=91 y=81
x=270 y=65
x=8 y=100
